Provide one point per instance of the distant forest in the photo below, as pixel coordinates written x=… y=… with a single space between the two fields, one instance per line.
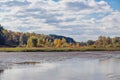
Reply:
x=20 y=39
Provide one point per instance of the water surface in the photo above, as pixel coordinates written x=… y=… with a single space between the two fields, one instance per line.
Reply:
x=60 y=66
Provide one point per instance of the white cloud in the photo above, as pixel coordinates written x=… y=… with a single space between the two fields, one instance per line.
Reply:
x=66 y=17
x=111 y=22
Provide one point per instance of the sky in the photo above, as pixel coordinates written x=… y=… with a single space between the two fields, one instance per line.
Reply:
x=80 y=19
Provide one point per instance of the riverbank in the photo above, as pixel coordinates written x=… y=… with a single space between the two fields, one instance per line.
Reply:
x=18 y=49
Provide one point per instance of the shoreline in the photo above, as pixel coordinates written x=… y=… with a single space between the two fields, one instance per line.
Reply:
x=18 y=49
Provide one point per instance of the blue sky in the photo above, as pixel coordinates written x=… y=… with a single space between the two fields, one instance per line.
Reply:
x=115 y=4
x=79 y=19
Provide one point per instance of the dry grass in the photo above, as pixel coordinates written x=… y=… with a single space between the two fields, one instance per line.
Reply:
x=19 y=49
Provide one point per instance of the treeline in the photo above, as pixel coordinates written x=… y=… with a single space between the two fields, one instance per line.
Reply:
x=103 y=42
x=34 y=41
x=20 y=39
x=108 y=42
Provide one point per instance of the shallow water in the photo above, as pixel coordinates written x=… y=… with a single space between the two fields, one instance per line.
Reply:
x=93 y=66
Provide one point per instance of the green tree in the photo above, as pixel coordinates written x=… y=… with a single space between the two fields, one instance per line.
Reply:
x=32 y=42
x=109 y=40
x=90 y=42
x=23 y=39
x=5 y=34
x=40 y=42
x=2 y=39
x=116 y=41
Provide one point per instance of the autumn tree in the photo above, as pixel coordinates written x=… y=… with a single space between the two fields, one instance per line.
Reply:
x=77 y=44
x=101 y=42
x=63 y=40
x=57 y=42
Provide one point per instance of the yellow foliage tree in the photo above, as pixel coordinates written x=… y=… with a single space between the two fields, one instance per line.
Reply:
x=63 y=40
x=57 y=42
